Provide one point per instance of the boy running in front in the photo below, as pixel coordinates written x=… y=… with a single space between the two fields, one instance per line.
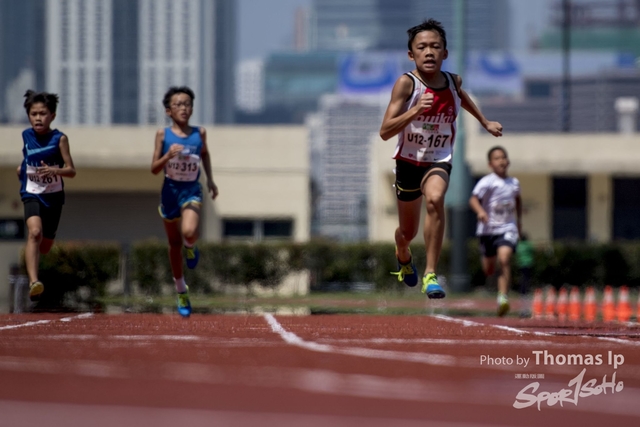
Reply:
x=496 y=201
x=422 y=112
x=178 y=150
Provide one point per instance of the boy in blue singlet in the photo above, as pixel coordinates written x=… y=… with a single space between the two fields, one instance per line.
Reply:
x=46 y=160
x=178 y=150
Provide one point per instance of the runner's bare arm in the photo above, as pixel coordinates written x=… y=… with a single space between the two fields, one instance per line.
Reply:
x=393 y=122
x=476 y=206
x=493 y=128
x=159 y=161
x=206 y=164
x=519 y=213
x=68 y=170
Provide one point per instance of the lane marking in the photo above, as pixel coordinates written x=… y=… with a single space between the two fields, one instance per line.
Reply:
x=292 y=339
x=21 y=325
x=504 y=328
x=443 y=341
x=536 y=333
x=43 y=322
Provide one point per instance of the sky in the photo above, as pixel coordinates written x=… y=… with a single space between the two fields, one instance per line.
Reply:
x=266 y=26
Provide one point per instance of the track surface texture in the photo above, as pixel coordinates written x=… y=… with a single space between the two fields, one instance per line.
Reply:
x=326 y=370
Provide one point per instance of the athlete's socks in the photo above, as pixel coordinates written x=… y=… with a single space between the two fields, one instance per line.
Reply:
x=181 y=286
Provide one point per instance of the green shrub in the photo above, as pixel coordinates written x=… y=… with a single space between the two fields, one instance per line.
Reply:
x=68 y=267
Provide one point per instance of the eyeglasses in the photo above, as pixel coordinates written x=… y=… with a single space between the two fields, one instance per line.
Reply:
x=179 y=105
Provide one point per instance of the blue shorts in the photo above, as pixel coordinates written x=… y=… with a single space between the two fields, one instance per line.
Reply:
x=174 y=197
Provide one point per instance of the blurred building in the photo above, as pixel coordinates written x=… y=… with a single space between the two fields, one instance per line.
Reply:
x=591 y=109
x=383 y=24
x=603 y=65
x=79 y=61
x=22 y=55
x=596 y=25
x=293 y=85
x=111 y=61
x=250 y=86
x=340 y=143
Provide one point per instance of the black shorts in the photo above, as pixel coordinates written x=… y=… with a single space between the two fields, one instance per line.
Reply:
x=489 y=244
x=409 y=178
x=50 y=216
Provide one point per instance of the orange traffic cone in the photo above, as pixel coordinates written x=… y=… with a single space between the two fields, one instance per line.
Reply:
x=574 y=304
x=608 y=307
x=537 y=307
x=550 y=306
x=624 y=307
x=562 y=304
x=590 y=307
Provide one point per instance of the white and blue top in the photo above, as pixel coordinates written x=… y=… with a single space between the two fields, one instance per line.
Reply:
x=37 y=149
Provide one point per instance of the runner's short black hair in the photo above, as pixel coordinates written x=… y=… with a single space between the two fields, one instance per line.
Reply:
x=49 y=99
x=166 y=101
x=496 y=148
x=427 y=25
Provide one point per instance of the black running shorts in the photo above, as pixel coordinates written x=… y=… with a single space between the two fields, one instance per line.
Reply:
x=50 y=216
x=409 y=178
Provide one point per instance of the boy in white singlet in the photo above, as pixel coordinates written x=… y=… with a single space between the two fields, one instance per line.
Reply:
x=422 y=112
x=496 y=201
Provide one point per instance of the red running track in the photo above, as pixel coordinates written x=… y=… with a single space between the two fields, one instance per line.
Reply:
x=237 y=370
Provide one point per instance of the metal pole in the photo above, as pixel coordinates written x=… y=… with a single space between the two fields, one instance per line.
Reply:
x=460 y=279
x=566 y=66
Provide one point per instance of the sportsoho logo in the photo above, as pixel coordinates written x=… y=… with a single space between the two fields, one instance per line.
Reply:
x=577 y=388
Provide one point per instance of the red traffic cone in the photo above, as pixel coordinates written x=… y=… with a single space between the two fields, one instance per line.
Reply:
x=590 y=308
x=537 y=307
x=624 y=307
x=608 y=307
x=562 y=306
x=574 y=304
x=550 y=306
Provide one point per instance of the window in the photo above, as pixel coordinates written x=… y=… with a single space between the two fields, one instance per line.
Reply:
x=626 y=205
x=257 y=229
x=569 y=208
x=278 y=228
x=237 y=228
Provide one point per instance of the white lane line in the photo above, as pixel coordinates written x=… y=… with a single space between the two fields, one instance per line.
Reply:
x=42 y=322
x=442 y=341
x=21 y=325
x=293 y=339
x=504 y=328
x=617 y=340
x=536 y=333
x=79 y=316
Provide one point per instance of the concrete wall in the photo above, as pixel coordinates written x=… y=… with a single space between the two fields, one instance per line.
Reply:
x=261 y=172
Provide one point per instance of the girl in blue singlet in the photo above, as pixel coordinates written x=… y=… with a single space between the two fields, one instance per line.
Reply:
x=179 y=150
x=46 y=160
